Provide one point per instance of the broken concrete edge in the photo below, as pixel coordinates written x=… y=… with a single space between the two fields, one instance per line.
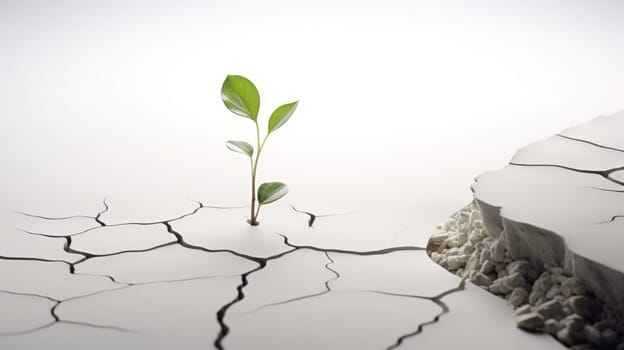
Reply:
x=542 y=247
x=553 y=302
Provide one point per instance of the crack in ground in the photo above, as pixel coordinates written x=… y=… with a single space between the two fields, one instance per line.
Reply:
x=604 y=173
x=57 y=319
x=244 y=277
x=307 y=296
x=85 y=257
x=606 y=189
x=221 y=314
x=179 y=240
x=103 y=224
x=435 y=299
x=313 y=217
x=127 y=285
x=353 y=252
x=613 y=218
x=97 y=217
x=54 y=217
x=590 y=143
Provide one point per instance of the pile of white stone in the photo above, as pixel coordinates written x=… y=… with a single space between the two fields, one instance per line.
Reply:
x=545 y=298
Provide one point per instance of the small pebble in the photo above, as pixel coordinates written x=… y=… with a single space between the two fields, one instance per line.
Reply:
x=524 y=309
x=582 y=305
x=552 y=327
x=531 y=322
x=551 y=309
x=487 y=267
x=481 y=279
x=518 y=296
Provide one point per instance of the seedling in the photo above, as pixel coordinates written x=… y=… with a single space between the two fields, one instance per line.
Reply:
x=241 y=97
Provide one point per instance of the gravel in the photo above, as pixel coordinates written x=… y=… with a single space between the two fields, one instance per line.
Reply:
x=546 y=298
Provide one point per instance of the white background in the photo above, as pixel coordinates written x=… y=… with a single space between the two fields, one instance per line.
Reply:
x=402 y=102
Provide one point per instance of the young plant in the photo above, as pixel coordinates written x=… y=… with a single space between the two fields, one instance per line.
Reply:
x=241 y=97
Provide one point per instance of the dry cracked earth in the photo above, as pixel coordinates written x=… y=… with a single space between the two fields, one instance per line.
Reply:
x=190 y=281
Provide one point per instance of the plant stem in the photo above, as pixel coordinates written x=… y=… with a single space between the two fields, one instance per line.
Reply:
x=253 y=221
x=258 y=211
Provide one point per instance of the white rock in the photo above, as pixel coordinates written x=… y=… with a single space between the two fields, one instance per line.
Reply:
x=514 y=280
x=518 y=296
x=462 y=238
x=507 y=284
x=574 y=322
x=487 y=267
x=455 y=262
x=553 y=292
x=551 y=309
x=518 y=266
x=479 y=246
x=485 y=256
x=535 y=295
x=472 y=218
x=452 y=243
x=452 y=252
x=438 y=237
x=564 y=336
x=531 y=322
x=552 y=326
x=481 y=280
x=544 y=282
x=467 y=249
x=582 y=305
x=497 y=250
x=524 y=309
x=473 y=263
x=572 y=331
x=560 y=278
x=497 y=287
x=572 y=286
x=474 y=237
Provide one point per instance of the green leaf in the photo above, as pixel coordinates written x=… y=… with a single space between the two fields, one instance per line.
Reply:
x=281 y=115
x=240 y=147
x=241 y=96
x=269 y=192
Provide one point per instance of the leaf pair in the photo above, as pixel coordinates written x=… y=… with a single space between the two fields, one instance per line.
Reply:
x=241 y=97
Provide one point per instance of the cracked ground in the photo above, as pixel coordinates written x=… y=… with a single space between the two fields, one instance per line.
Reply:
x=199 y=277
